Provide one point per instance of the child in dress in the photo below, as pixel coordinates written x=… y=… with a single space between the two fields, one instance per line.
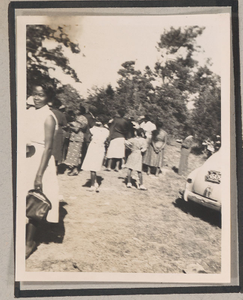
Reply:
x=96 y=151
x=138 y=146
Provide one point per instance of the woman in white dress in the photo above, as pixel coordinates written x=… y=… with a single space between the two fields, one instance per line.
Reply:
x=96 y=152
x=41 y=125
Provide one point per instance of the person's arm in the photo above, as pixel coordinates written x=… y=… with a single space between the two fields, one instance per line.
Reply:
x=144 y=147
x=49 y=137
x=165 y=142
x=156 y=149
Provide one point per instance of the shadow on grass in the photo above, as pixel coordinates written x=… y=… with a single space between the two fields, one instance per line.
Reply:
x=133 y=181
x=52 y=232
x=88 y=182
x=196 y=210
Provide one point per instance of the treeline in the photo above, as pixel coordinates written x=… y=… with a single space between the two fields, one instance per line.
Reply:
x=184 y=95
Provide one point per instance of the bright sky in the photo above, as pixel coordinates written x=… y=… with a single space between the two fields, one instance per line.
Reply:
x=108 y=41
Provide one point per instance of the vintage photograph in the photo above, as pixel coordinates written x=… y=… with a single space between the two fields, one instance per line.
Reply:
x=123 y=150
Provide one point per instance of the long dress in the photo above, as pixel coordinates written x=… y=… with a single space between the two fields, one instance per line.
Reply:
x=137 y=145
x=185 y=151
x=96 y=150
x=73 y=158
x=151 y=158
x=35 y=138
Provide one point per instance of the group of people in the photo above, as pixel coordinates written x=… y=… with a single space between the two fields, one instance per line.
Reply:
x=82 y=141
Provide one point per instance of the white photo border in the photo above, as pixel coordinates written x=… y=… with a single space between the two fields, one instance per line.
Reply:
x=228 y=107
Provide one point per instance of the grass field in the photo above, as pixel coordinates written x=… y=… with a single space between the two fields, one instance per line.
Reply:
x=128 y=230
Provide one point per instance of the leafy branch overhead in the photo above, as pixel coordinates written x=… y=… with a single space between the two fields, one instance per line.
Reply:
x=40 y=60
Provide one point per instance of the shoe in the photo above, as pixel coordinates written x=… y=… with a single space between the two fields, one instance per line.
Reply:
x=73 y=173
x=107 y=169
x=96 y=187
x=116 y=170
x=129 y=185
x=91 y=189
x=142 y=188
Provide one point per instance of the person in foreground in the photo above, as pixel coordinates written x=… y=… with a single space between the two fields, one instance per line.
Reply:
x=138 y=146
x=41 y=125
x=96 y=152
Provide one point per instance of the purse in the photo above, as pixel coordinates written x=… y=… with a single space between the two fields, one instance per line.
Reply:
x=37 y=205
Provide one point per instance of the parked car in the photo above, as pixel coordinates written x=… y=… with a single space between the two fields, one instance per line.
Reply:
x=203 y=185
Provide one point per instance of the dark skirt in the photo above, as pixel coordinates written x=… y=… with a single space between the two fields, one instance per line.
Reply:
x=153 y=159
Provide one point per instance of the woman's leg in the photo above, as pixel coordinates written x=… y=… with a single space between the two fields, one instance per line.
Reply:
x=93 y=178
x=129 y=176
x=117 y=164
x=157 y=171
x=148 y=170
x=94 y=184
x=109 y=160
x=140 y=176
x=141 y=186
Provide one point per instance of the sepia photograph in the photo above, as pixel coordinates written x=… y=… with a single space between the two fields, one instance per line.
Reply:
x=123 y=147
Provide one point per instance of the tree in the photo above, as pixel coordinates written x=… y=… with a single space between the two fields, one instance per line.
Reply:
x=182 y=79
x=176 y=65
x=40 y=60
x=135 y=90
x=206 y=114
x=69 y=97
x=102 y=101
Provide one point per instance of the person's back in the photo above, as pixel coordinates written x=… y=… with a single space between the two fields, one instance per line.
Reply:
x=119 y=128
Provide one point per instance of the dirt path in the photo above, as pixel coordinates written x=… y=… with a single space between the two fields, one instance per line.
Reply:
x=127 y=230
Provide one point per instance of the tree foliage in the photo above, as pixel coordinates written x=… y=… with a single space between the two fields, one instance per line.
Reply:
x=163 y=92
x=40 y=60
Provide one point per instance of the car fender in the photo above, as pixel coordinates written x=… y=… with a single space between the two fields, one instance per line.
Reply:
x=189 y=185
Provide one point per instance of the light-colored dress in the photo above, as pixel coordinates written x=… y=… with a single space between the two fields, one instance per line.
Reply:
x=35 y=134
x=137 y=145
x=158 y=141
x=96 y=150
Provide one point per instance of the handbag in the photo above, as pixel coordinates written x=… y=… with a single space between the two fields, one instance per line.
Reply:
x=37 y=205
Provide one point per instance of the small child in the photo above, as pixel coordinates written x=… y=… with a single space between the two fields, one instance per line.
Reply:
x=138 y=146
